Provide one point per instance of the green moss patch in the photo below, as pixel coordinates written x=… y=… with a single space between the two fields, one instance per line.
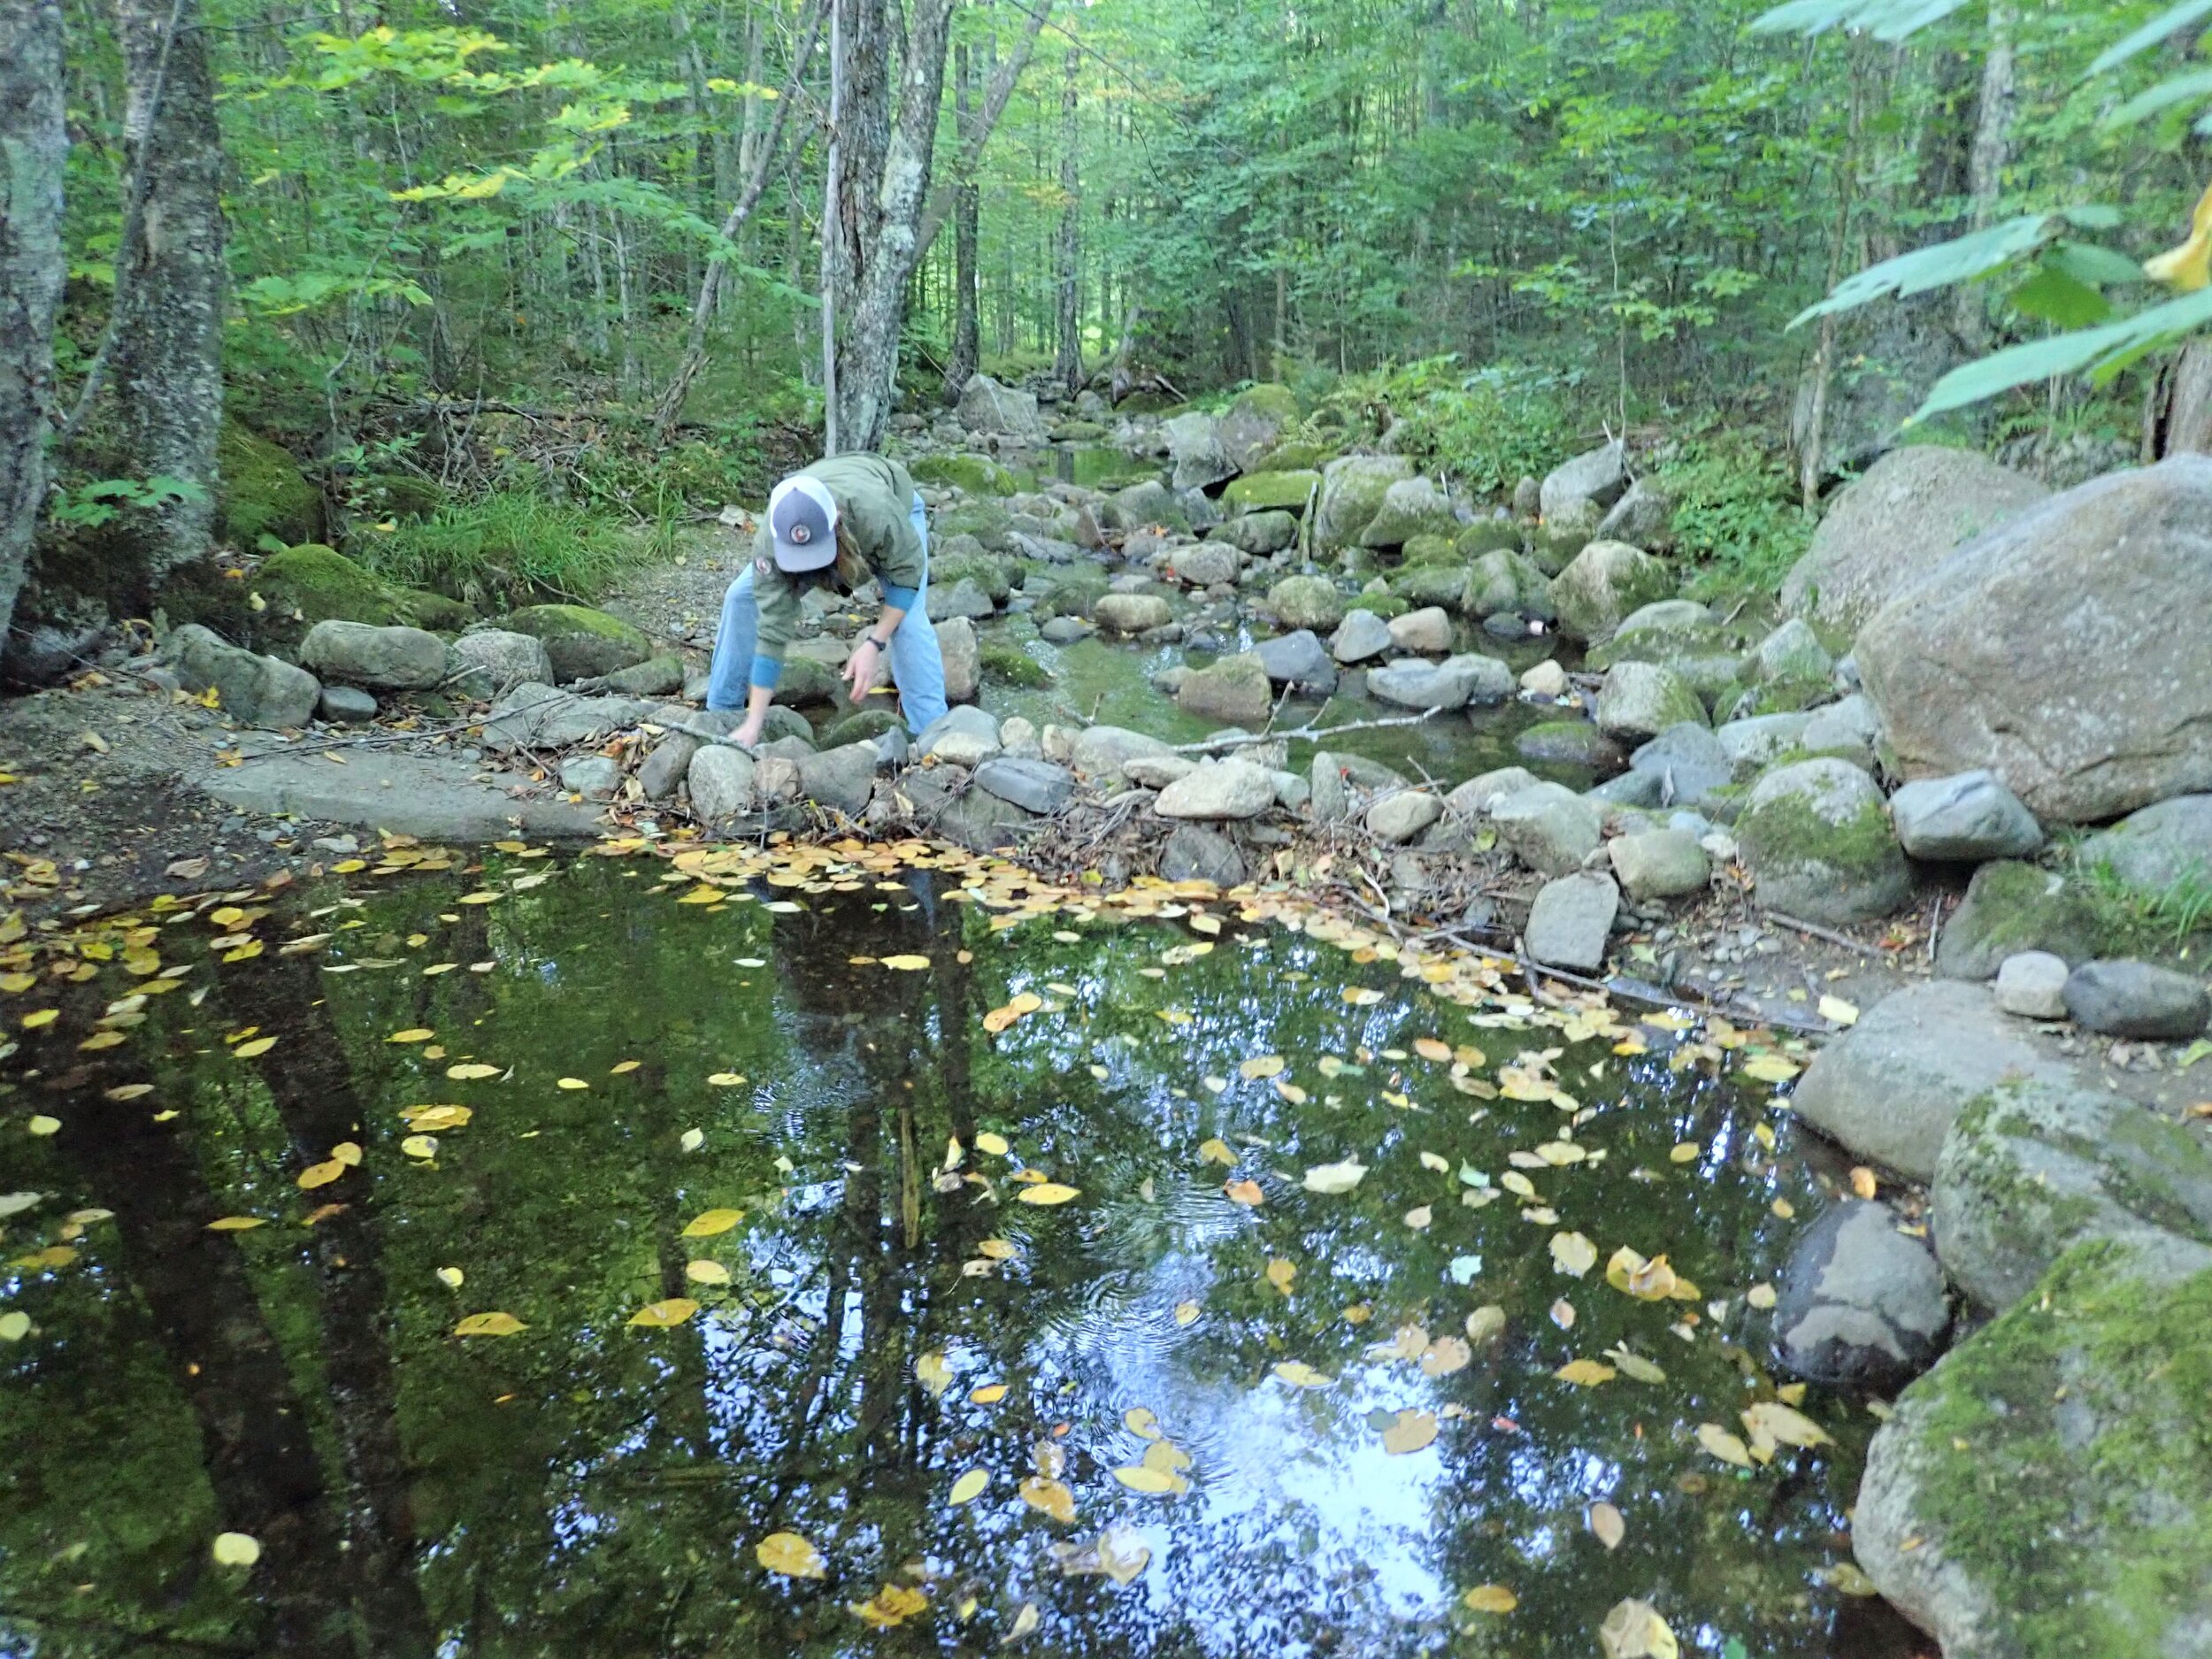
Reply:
x=1010 y=666
x=264 y=492
x=1262 y=492
x=978 y=474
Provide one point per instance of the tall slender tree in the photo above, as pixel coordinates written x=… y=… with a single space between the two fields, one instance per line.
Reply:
x=1067 y=366
x=34 y=148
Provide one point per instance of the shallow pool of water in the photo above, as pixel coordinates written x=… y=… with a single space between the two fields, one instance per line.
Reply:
x=739 y=1163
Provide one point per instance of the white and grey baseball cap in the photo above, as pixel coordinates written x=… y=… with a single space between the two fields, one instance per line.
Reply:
x=802 y=519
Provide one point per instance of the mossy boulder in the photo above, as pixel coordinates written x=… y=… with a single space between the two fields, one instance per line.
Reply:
x=400 y=496
x=1384 y=604
x=1430 y=550
x=988 y=522
x=1422 y=585
x=1411 y=507
x=1255 y=422
x=1270 y=492
x=1072 y=594
x=1352 y=491
x=1296 y=456
x=263 y=492
x=863 y=726
x=583 y=642
x=978 y=474
x=1570 y=743
x=2011 y=907
x=1489 y=536
x=2046 y=1491
x=1307 y=601
x=1008 y=664
x=1504 y=581
x=1817 y=838
x=304 y=585
x=987 y=570
x=1605 y=582
x=1077 y=432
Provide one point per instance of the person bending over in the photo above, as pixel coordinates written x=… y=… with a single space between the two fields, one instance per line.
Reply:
x=833 y=525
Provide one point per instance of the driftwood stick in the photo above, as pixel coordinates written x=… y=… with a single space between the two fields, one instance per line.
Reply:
x=1309 y=733
x=1813 y=930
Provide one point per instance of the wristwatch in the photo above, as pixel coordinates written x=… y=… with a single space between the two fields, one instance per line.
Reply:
x=881 y=645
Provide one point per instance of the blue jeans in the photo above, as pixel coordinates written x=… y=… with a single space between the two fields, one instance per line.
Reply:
x=918 y=666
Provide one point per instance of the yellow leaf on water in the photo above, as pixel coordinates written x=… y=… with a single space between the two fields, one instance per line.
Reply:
x=1360 y=997
x=1633 y=1630
x=1301 y=1375
x=1157 y=1482
x=419 y=1146
x=1041 y=1492
x=1584 y=1373
x=970 y=1486
x=997 y=1250
x=1571 y=1253
x=1217 y=1151
x=1783 y=1208
x=894 y=1604
x=1409 y=1431
x=39 y=1018
x=1049 y=1193
x=934 y=1372
x=1186 y=1313
x=1760 y=1296
x=435 y=1119
x=320 y=1175
x=1435 y=1161
x=1722 y=1445
x=989 y=1395
x=707 y=1223
x=659 y=1316
x=1420 y=1218
x=1245 y=1193
x=481 y=896
x=1445 y=1356
x=450 y=1278
x=1140 y=1421
x=906 y=965
x=1266 y=1065
x=1606 y=1524
x=1484 y=1323
x=1685 y=1152
x=130 y=1090
x=994 y=1144
x=100 y=1040
x=258 y=1046
x=1282 y=1274
x=1770 y=1420
x=489 y=1324
x=572 y=1083
x=1771 y=1068
x=15 y=1324
x=235 y=1549
x=791 y=1556
x=470 y=1070
x=1863 y=1182
x=1563 y=1313
x=347 y=1153
x=1490 y=1598
x=235 y=1224
x=706 y=1272
x=1335 y=1178
x=1430 y=1048
x=1517 y=1184
x=725 y=1079
x=413 y=1033
x=622 y=1067
x=692 y=1139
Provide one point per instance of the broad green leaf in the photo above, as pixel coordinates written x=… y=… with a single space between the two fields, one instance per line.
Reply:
x=1946 y=264
x=2160 y=28
x=1886 y=20
x=2056 y=297
x=2105 y=350
x=2193 y=88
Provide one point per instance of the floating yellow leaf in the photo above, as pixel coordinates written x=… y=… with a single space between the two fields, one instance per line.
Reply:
x=907 y=964
x=1410 y=1431
x=706 y=1272
x=725 y=1079
x=1606 y=1524
x=40 y=1124
x=970 y=1486
x=1584 y=1373
x=1771 y=1421
x=1041 y=1492
x=572 y=1083
x=452 y=1277
x=1049 y=1193
x=1186 y=1313
x=470 y=1070
x=1863 y=1182
x=130 y=1090
x=1301 y=1375
x=1563 y=1313
x=1217 y=1151
x=419 y=1146
x=347 y=1153
x=1571 y=1253
x=1360 y=997
x=1837 y=1012
x=481 y=896
x=1722 y=1445
x=707 y=1223
x=258 y=1046
x=692 y=1139
x=622 y=1067
x=1282 y=1274
x=659 y=1316
x=1685 y=1152
x=1633 y=1630
x=1266 y=1065
x=1517 y=1184
x=1245 y=1193
x=1484 y=1323
x=1335 y=1178
x=1430 y=1048
x=997 y=1250
x=413 y=1033
x=38 y=1017
x=100 y=1040
x=1771 y=1068
x=1140 y=1421
x=489 y=1324
x=791 y=1556
x=235 y=1224
x=1445 y=1356
x=994 y=1144
x=1159 y=1482
x=15 y=1324
x=934 y=1372
x=1419 y=1218
x=1490 y=1598
x=235 y=1549
x=1760 y=1296
x=989 y=1395
x=894 y=1604
x=321 y=1174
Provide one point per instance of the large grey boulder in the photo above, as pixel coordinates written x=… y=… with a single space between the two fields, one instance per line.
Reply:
x=1132 y=613
x=2136 y=999
x=964 y=736
x=1424 y=633
x=1644 y=517
x=1603 y=583
x=374 y=658
x=2068 y=651
x=1689 y=762
x=2046 y=1491
x=345 y=705
x=1205 y=564
x=533 y=716
x=1817 y=838
x=1401 y=816
x=945 y=803
x=842 y=778
x=1410 y=507
x=2033 y=1168
x=965 y=598
x=1255 y=422
x=1598 y=479
x=1892 y=527
x=1638 y=701
x=1793 y=651
x=1971 y=818
x=1034 y=786
x=1760 y=739
x=662 y=771
x=1451 y=684
x=1548 y=827
x=721 y=783
x=1890 y=1087
x=1298 y=659
x=1235 y=691
x=1306 y=602
x=1661 y=863
x=1257 y=533
x=1570 y=920
x=1219 y=790
x=1503 y=582
x=986 y=406
x=1361 y=634
x=249 y=688
x=1195 y=447
x=490 y=661
x=1862 y=1305
x=2159 y=848
x=962 y=655
x=595 y=777
x=2011 y=907
x=1100 y=751
x=1352 y=491
x=1136 y=506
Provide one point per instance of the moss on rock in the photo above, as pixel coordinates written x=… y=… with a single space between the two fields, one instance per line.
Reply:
x=311 y=583
x=1010 y=666
x=581 y=641
x=1266 y=492
x=978 y=474
x=263 y=492
x=1818 y=839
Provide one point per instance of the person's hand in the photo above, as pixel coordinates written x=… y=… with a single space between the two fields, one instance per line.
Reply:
x=748 y=735
x=860 y=670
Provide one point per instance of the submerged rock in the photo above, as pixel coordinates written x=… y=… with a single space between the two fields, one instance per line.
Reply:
x=1861 y=1305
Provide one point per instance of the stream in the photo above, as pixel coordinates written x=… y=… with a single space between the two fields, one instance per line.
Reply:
x=585 y=1253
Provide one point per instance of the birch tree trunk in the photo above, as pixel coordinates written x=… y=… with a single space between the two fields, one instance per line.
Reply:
x=34 y=145
x=168 y=320
x=1067 y=366
x=1994 y=114
x=882 y=191
x=967 y=346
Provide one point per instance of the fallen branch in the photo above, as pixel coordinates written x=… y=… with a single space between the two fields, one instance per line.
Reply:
x=1814 y=931
x=1309 y=733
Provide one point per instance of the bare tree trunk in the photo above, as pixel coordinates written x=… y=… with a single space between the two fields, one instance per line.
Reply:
x=967 y=353
x=1067 y=366
x=1001 y=89
x=168 y=319
x=882 y=182
x=33 y=146
x=1998 y=107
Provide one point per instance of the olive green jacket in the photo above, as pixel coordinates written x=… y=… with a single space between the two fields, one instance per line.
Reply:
x=875 y=504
